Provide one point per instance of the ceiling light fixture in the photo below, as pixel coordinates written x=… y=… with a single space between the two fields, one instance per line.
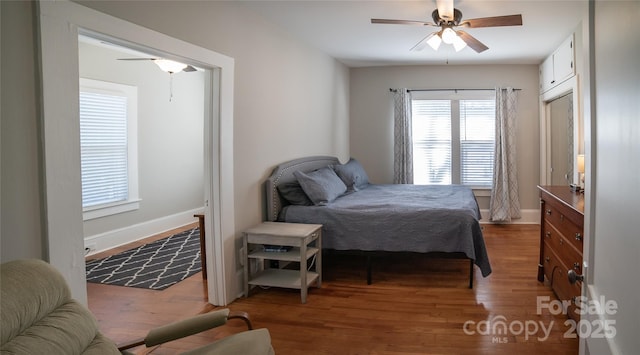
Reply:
x=169 y=65
x=435 y=41
x=448 y=35
x=459 y=44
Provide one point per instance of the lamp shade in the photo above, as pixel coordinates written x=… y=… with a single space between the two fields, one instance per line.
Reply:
x=169 y=65
x=435 y=41
x=448 y=35
x=580 y=159
x=459 y=44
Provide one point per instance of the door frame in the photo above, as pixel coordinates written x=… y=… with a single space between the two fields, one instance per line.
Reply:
x=60 y=22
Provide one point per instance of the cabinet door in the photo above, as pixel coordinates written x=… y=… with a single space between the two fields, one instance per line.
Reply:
x=546 y=74
x=563 y=61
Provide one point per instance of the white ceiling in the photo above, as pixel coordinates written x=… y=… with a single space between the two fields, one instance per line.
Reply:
x=343 y=29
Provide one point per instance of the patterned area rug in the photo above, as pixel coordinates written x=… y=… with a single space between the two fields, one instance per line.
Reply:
x=155 y=266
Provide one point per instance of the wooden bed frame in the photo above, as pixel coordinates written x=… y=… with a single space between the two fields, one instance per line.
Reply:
x=283 y=173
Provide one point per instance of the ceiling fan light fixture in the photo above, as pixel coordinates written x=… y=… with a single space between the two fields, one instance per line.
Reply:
x=448 y=35
x=435 y=41
x=169 y=66
x=459 y=44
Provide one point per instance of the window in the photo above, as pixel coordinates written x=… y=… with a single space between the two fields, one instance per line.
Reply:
x=108 y=148
x=453 y=138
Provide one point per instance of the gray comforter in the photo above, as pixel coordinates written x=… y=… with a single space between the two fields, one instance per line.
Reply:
x=408 y=218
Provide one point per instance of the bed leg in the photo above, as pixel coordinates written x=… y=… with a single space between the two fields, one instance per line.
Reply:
x=471 y=273
x=368 y=269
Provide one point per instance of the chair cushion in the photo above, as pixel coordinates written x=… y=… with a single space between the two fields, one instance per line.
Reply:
x=252 y=342
x=40 y=317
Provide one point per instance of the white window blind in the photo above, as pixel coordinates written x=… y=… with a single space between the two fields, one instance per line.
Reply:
x=103 y=142
x=108 y=148
x=431 y=129
x=477 y=140
x=453 y=141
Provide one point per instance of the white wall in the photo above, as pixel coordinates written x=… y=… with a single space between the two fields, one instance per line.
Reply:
x=371 y=130
x=170 y=140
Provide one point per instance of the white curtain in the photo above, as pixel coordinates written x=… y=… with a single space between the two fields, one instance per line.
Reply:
x=403 y=144
x=505 y=204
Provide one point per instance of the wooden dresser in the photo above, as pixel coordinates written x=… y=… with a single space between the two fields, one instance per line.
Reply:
x=561 y=231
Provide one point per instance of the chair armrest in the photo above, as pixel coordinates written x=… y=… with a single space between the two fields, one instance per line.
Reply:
x=241 y=315
x=185 y=327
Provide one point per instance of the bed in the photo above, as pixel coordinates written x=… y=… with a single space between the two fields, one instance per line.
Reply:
x=377 y=218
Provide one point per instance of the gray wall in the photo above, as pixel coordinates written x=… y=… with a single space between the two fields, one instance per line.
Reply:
x=371 y=126
x=291 y=100
x=612 y=181
x=21 y=229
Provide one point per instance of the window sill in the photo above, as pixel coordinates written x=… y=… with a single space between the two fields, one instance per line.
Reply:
x=482 y=191
x=110 y=209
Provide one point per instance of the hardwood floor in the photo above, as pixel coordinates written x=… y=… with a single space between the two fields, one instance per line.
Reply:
x=415 y=305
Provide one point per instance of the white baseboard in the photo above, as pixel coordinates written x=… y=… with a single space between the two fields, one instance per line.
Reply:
x=528 y=217
x=111 y=239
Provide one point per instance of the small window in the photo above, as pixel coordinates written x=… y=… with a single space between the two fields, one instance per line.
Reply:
x=108 y=148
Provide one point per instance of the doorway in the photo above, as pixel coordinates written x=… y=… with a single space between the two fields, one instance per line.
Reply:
x=142 y=145
x=60 y=24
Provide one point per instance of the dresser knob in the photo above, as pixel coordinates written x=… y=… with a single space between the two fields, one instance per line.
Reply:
x=548 y=212
x=573 y=277
x=548 y=234
x=579 y=237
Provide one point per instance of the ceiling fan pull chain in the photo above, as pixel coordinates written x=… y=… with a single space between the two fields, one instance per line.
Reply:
x=170 y=86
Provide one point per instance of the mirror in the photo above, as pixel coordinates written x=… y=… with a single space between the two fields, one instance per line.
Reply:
x=560 y=134
x=560 y=154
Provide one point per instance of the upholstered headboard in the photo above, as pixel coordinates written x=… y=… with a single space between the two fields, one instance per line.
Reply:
x=283 y=173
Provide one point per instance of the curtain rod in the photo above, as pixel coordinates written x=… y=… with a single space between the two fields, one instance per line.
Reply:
x=456 y=90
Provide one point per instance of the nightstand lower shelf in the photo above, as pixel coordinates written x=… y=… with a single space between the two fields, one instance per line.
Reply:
x=282 y=278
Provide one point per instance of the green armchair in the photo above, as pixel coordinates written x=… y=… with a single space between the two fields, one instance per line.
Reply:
x=39 y=317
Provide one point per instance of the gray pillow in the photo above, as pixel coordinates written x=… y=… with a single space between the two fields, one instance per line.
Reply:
x=293 y=193
x=322 y=185
x=352 y=174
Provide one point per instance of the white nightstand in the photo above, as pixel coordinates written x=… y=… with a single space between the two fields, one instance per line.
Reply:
x=302 y=241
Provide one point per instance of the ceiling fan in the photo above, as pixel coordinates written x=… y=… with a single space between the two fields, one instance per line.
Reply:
x=167 y=65
x=447 y=18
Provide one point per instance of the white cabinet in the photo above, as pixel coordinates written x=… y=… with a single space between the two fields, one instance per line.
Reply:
x=559 y=66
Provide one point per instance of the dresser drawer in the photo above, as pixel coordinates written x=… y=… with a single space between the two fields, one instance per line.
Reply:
x=566 y=292
x=550 y=261
x=565 y=250
x=564 y=221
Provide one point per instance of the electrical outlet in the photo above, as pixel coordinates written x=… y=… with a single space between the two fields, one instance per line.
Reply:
x=89 y=248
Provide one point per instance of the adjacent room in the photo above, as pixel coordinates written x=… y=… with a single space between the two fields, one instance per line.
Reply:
x=321 y=177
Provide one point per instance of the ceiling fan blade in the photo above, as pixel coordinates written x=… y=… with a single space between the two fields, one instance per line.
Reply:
x=472 y=42
x=424 y=42
x=401 y=22
x=189 y=68
x=509 y=20
x=445 y=9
